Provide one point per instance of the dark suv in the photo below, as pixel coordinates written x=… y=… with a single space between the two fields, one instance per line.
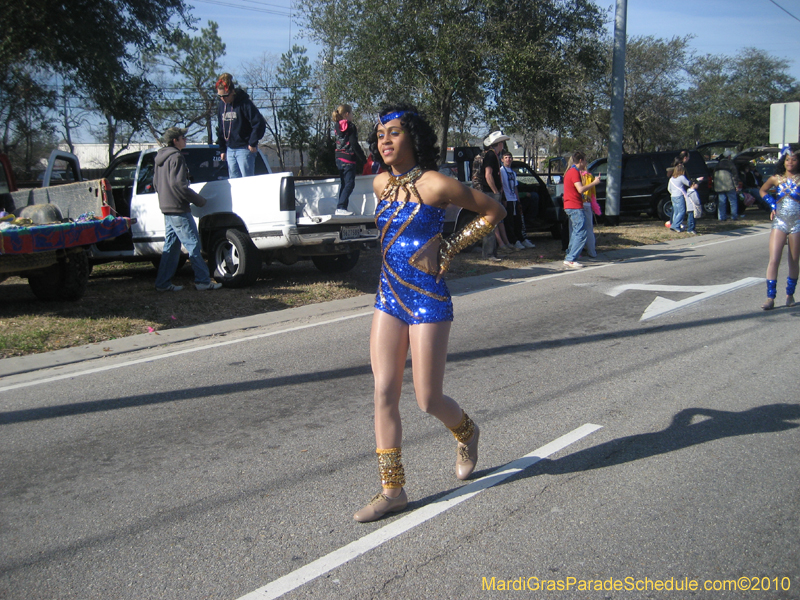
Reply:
x=644 y=182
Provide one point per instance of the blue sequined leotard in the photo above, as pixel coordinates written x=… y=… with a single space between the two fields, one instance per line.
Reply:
x=787 y=217
x=409 y=292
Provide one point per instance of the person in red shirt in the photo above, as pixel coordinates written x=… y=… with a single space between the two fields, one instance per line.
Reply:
x=573 y=206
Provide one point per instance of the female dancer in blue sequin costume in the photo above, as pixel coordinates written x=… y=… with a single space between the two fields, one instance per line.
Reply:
x=413 y=310
x=785 y=223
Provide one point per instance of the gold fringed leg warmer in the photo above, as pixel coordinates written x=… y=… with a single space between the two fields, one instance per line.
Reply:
x=390 y=464
x=464 y=430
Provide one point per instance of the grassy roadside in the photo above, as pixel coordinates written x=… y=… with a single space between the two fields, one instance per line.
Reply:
x=121 y=301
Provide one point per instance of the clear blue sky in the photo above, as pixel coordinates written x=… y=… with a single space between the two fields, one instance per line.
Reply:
x=251 y=27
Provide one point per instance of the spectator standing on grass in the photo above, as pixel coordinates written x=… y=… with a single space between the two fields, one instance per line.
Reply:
x=694 y=207
x=681 y=159
x=573 y=206
x=677 y=186
x=171 y=182
x=493 y=187
x=726 y=182
x=239 y=127
x=514 y=225
x=590 y=209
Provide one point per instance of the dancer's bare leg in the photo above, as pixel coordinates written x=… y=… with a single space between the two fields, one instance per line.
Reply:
x=794 y=255
x=388 y=349
x=777 y=240
x=428 y=359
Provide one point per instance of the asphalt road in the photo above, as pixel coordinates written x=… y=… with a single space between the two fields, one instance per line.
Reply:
x=230 y=465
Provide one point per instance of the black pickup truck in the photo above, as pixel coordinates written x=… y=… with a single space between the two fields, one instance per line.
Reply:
x=540 y=209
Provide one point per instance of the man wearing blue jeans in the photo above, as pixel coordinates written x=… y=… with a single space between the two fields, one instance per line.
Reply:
x=171 y=182
x=241 y=162
x=577 y=236
x=239 y=127
x=726 y=181
x=573 y=206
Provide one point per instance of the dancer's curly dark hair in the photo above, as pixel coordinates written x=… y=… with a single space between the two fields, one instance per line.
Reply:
x=426 y=151
x=780 y=168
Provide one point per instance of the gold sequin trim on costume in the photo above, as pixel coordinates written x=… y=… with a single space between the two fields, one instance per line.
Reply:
x=464 y=430
x=391 y=194
x=472 y=232
x=391 y=467
x=404 y=181
x=783 y=179
x=426 y=259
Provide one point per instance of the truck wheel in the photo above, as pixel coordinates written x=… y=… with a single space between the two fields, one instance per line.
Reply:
x=234 y=260
x=710 y=207
x=339 y=263
x=65 y=280
x=664 y=209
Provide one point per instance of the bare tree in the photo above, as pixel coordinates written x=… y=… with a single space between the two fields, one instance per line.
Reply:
x=72 y=115
x=261 y=78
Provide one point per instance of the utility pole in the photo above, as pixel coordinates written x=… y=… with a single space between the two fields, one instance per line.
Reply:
x=617 y=115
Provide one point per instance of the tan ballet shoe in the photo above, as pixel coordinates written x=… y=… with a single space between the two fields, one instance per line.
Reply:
x=381 y=505
x=769 y=304
x=467 y=456
x=790 y=300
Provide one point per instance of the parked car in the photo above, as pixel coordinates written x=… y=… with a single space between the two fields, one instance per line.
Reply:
x=644 y=183
x=763 y=158
x=545 y=215
x=540 y=215
x=715 y=149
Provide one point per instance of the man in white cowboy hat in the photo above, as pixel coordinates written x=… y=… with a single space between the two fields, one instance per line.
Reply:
x=491 y=183
x=491 y=164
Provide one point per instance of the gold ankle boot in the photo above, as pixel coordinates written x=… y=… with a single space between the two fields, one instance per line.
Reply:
x=467 y=435
x=393 y=477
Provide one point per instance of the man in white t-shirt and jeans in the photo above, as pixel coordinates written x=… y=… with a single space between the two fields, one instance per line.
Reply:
x=514 y=222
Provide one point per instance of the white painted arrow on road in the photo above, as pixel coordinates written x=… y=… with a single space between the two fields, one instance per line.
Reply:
x=662 y=306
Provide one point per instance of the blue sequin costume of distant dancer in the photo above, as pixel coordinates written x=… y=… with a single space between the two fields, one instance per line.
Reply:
x=406 y=225
x=787 y=215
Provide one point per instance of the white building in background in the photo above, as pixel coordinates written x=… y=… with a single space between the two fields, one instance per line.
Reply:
x=95 y=156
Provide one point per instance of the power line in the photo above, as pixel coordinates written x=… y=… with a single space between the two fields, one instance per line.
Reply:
x=784 y=10
x=267 y=4
x=253 y=9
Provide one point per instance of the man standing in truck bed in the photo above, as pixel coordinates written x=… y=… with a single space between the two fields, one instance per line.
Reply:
x=171 y=181
x=239 y=127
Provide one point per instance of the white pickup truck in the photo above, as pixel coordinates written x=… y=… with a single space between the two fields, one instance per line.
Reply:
x=246 y=221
